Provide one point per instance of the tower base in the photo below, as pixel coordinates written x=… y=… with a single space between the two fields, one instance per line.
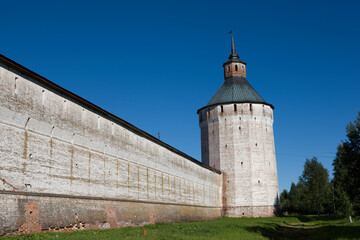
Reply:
x=252 y=211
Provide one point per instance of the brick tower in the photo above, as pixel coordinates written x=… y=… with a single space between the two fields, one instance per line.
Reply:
x=237 y=138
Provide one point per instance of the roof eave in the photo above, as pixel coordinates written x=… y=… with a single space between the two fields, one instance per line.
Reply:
x=237 y=61
x=233 y=102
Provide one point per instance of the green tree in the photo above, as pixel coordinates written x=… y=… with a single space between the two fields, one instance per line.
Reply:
x=296 y=196
x=285 y=201
x=347 y=171
x=317 y=196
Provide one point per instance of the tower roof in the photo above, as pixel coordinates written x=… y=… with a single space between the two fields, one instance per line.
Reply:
x=236 y=89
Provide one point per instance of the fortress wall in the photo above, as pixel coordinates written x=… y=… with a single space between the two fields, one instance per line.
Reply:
x=242 y=137
x=63 y=162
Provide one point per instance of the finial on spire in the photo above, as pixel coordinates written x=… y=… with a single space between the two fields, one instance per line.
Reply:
x=233 y=54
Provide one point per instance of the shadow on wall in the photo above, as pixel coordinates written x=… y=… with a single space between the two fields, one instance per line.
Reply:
x=277 y=209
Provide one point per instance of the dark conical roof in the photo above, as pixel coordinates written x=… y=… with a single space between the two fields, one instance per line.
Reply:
x=236 y=89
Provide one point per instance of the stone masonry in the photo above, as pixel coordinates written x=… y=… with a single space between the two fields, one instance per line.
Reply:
x=237 y=138
x=67 y=164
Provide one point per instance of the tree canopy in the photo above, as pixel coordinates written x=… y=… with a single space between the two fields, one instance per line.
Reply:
x=347 y=171
x=312 y=194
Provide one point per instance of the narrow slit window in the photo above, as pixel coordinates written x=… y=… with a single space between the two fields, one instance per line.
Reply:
x=242 y=68
x=236 y=67
x=250 y=107
x=222 y=108
x=228 y=68
x=64 y=106
x=43 y=97
x=16 y=85
x=235 y=107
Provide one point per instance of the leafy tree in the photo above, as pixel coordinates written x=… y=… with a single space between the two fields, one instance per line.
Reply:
x=347 y=171
x=285 y=201
x=317 y=189
x=312 y=194
x=297 y=197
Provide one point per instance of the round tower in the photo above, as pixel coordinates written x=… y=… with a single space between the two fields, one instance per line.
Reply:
x=237 y=138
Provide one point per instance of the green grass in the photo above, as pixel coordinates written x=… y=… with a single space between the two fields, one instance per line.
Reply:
x=301 y=227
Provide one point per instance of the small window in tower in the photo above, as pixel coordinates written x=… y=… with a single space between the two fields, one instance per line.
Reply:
x=236 y=67
x=235 y=108
x=229 y=68
x=222 y=108
x=242 y=68
x=250 y=107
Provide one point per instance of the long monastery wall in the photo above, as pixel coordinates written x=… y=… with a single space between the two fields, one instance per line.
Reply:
x=67 y=163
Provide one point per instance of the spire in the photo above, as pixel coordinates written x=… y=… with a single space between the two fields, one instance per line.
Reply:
x=233 y=50
x=233 y=55
x=234 y=66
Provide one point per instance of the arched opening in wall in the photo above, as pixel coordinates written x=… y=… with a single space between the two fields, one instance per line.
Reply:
x=250 y=107
x=235 y=107
x=236 y=67
x=222 y=108
x=228 y=68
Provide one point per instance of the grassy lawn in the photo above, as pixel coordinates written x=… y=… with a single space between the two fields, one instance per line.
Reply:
x=302 y=227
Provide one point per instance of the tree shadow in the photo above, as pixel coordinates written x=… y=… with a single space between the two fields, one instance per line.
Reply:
x=310 y=218
x=277 y=231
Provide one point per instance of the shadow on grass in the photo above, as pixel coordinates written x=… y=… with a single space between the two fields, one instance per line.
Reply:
x=276 y=231
x=309 y=218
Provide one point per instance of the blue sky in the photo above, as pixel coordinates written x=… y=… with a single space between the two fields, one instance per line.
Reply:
x=154 y=63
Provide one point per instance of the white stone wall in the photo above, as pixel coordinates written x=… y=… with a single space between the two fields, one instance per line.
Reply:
x=240 y=143
x=53 y=144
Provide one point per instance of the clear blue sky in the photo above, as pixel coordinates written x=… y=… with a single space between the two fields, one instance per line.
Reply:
x=155 y=63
